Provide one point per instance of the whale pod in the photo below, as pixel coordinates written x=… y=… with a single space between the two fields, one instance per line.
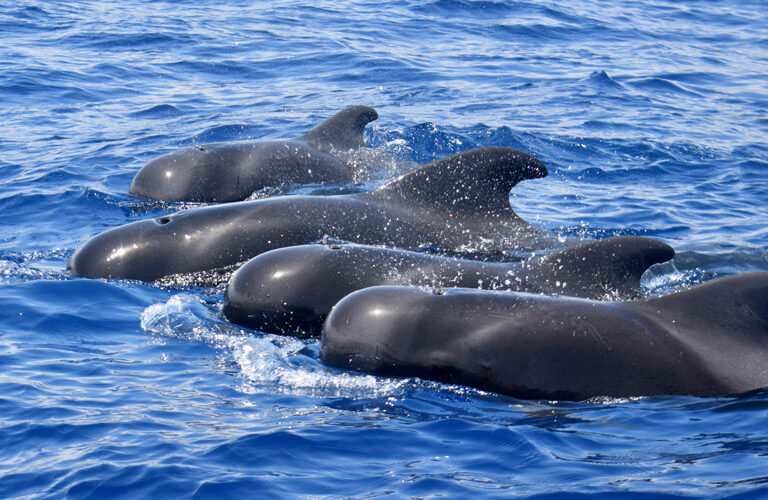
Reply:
x=457 y=202
x=711 y=339
x=291 y=290
x=233 y=171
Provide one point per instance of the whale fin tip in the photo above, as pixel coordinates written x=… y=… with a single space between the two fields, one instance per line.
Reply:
x=596 y=269
x=343 y=131
x=477 y=179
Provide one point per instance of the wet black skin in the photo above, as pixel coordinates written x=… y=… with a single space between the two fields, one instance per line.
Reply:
x=291 y=290
x=459 y=201
x=234 y=171
x=711 y=339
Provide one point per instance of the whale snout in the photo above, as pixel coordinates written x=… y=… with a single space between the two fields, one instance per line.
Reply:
x=206 y=173
x=183 y=175
x=100 y=257
x=361 y=331
x=92 y=259
x=277 y=291
x=173 y=176
x=123 y=252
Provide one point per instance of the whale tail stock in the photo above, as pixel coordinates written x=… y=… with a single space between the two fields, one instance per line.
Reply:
x=343 y=131
x=472 y=181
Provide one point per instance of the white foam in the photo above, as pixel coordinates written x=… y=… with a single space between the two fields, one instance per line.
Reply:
x=29 y=266
x=266 y=362
x=666 y=278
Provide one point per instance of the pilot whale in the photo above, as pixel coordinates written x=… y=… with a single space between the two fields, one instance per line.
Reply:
x=711 y=339
x=291 y=290
x=454 y=203
x=233 y=171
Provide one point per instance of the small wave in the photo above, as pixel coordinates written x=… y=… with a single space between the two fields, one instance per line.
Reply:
x=238 y=69
x=118 y=41
x=503 y=136
x=412 y=142
x=474 y=8
x=609 y=126
x=224 y=133
x=699 y=78
x=660 y=85
x=601 y=79
x=159 y=111
x=478 y=107
x=28 y=87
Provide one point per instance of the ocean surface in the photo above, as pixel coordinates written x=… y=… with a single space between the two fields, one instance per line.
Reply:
x=651 y=116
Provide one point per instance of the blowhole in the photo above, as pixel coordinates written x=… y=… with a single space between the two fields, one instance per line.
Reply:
x=163 y=220
x=201 y=147
x=335 y=246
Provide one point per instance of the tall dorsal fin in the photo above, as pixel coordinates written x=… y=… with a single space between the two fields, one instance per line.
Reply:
x=612 y=266
x=479 y=179
x=343 y=131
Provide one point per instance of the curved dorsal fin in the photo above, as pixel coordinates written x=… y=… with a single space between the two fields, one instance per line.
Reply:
x=479 y=179
x=343 y=131
x=612 y=266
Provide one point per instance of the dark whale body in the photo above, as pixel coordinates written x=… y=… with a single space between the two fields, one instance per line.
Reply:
x=711 y=339
x=291 y=290
x=455 y=202
x=234 y=171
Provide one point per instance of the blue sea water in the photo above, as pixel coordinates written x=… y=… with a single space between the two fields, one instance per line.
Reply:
x=652 y=118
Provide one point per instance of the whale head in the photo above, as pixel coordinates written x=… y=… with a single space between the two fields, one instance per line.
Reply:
x=151 y=249
x=115 y=253
x=191 y=174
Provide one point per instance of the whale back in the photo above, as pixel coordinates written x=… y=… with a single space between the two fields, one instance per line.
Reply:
x=724 y=323
x=476 y=181
x=744 y=296
x=343 y=131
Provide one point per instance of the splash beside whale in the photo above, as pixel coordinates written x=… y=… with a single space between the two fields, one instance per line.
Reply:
x=291 y=290
x=711 y=339
x=234 y=171
x=456 y=202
